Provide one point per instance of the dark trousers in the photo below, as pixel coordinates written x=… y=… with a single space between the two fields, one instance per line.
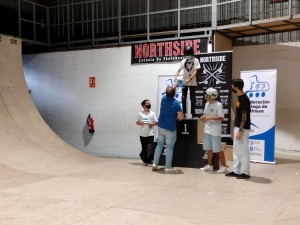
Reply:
x=192 y=98
x=145 y=155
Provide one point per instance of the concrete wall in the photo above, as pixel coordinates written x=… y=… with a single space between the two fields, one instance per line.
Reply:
x=60 y=89
x=59 y=85
x=286 y=59
x=222 y=43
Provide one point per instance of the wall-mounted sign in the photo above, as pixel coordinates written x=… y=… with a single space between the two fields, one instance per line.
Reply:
x=166 y=51
x=92 y=82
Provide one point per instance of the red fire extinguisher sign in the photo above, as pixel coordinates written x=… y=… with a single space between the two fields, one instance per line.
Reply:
x=92 y=82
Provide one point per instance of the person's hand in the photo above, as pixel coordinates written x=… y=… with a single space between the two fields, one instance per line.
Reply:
x=175 y=84
x=203 y=118
x=187 y=81
x=239 y=135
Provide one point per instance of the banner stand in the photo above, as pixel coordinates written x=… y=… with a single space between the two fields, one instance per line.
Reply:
x=260 y=87
x=265 y=162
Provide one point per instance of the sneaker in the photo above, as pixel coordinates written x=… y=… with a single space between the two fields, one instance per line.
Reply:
x=154 y=167
x=169 y=169
x=207 y=168
x=146 y=163
x=222 y=169
x=231 y=174
x=243 y=176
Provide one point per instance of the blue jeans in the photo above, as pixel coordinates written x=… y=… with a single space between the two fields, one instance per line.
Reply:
x=168 y=138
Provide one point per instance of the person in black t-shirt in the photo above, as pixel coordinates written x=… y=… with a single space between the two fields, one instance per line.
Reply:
x=241 y=153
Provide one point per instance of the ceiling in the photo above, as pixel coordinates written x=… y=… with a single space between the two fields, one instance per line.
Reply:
x=260 y=27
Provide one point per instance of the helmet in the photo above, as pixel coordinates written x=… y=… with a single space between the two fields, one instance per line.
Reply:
x=188 y=51
x=212 y=92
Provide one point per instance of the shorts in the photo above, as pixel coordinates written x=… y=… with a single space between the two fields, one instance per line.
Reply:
x=211 y=142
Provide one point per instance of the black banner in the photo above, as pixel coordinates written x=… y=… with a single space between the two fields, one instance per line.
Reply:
x=216 y=72
x=165 y=51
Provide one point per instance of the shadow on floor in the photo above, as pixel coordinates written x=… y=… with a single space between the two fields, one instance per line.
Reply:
x=160 y=170
x=140 y=164
x=175 y=171
x=260 y=180
x=286 y=161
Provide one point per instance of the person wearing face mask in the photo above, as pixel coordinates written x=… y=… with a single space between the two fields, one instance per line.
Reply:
x=241 y=153
x=190 y=66
x=146 y=120
x=212 y=116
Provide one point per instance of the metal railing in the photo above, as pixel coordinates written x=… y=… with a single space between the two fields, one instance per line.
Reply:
x=96 y=23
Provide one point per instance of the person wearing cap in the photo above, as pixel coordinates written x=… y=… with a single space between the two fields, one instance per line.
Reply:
x=212 y=117
x=190 y=66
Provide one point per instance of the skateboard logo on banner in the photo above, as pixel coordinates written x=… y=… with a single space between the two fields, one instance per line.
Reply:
x=213 y=74
x=257 y=87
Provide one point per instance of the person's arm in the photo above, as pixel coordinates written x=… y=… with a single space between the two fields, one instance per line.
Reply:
x=216 y=118
x=152 y=124
x=202 y=118
x=243 y=121
x=139 y=122
x=191 y=77
x=180 y=67
x=176 y=74
x=180 y=115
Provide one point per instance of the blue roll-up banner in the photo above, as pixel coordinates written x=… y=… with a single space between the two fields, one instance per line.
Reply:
x=260 y=86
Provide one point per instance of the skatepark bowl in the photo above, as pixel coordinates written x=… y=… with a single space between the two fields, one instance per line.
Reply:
x=45 y=181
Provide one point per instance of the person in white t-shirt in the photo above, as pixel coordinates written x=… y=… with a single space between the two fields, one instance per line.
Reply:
x=212 y=116
x=147 y=121
x=190 y=66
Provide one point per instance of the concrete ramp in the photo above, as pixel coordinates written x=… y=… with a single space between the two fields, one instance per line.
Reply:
x=27 y=143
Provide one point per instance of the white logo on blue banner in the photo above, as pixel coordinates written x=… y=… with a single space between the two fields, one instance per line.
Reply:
x=163 y=82
x=260 y=86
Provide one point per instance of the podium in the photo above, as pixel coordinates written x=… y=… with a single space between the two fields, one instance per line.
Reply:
x=187 y=150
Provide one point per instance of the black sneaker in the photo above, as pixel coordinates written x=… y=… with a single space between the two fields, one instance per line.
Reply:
x=243 y=176
x=231 y=174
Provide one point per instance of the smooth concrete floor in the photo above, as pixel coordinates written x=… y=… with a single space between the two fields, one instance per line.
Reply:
x=122 y=191
x=44 y=181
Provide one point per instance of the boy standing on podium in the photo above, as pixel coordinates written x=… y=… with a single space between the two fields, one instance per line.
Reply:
x=190 y=65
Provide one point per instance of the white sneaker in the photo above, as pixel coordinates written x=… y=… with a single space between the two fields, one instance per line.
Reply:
x=207 y=168
x=222 y=169
x=169 y=169
x=154 y=167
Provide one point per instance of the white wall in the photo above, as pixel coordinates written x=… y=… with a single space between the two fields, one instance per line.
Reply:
x=59 y=84
x=59 y=87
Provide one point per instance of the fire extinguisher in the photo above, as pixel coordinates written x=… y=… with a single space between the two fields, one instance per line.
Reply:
x=90 y=123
